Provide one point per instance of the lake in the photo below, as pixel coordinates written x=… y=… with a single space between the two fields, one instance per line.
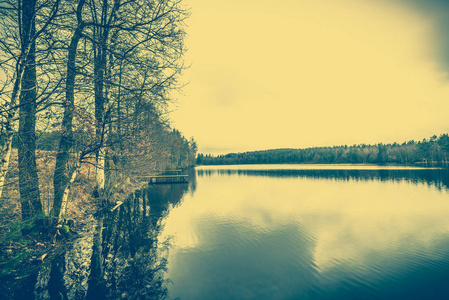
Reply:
x=268 y=232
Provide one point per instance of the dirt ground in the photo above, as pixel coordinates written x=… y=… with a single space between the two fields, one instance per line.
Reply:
x=21 y=254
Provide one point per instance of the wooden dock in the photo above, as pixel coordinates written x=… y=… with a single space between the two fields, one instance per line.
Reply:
x=153 y=179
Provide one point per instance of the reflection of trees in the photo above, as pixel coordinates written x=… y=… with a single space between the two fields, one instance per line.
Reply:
x=127 y=258
x=131 y=259
x=435 y=177
x=192 y=180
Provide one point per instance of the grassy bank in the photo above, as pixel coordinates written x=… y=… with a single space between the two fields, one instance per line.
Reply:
x=21 y=253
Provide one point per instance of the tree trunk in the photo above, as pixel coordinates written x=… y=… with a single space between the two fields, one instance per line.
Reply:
x=6 y=156
x=99 y=74
x=100 y=174
x=65 y=196
x=7 y=146
x=63 y=172
x=28 y=178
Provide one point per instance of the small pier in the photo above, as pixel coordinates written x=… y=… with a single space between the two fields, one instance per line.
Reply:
x=156 y=179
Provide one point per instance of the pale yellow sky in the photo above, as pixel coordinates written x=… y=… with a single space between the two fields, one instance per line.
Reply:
x=278 y=73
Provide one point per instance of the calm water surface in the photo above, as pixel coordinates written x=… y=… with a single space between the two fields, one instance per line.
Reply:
x=311 y=232
x=267 y=232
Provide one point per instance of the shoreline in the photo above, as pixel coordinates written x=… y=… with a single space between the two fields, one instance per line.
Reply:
x=22 y=254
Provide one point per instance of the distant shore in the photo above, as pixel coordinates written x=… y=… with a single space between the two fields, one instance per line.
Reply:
x=434 y=150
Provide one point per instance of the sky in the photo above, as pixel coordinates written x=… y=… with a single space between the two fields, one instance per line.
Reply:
x=268 y=74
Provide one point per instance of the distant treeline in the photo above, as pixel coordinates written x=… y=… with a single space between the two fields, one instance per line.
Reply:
x=432 y=150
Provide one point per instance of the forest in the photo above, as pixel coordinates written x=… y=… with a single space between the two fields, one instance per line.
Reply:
x=88 y=83
x=432 y=150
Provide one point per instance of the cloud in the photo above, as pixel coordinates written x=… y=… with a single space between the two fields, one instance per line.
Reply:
x=313 y=73
x=438 y=12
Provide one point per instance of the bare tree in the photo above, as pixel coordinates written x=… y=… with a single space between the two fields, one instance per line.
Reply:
x=65 y=173
x=144 y=40
x=18 y=48
x=133 y=55
x=28 y=179
x=101 y=70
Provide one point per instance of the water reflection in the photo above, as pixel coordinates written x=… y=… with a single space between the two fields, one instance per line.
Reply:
x=122 y=256
x=266 y=234
x=312 y=234
x=235 y=260
x=436 y=177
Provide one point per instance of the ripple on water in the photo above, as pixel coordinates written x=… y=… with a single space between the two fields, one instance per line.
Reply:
x=325 y=237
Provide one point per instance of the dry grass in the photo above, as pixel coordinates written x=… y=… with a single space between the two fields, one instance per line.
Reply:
x=81 y=204
x=81 y=201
